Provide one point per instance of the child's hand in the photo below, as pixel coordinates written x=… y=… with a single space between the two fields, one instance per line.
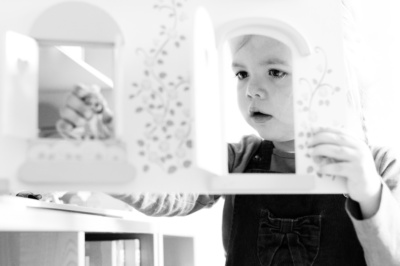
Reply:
x=350 y=158
x=85 y=115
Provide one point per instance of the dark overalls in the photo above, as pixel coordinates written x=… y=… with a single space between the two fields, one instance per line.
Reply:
x=288 y=229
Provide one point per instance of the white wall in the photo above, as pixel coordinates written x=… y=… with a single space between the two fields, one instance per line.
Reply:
x=379 y=25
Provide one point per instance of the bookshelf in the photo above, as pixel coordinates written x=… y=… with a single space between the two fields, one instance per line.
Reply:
x=37 y=233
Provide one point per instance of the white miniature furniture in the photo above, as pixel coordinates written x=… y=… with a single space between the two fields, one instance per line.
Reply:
x=169 y=135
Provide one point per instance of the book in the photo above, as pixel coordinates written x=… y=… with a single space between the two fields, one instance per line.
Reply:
x=113 y=253
x=103 y=253
x=132 y=252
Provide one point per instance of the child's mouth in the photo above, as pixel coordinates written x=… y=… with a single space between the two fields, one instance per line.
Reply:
x=259 y=117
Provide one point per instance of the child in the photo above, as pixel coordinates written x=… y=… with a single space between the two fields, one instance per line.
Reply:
x=361 y=228
x=295 y=229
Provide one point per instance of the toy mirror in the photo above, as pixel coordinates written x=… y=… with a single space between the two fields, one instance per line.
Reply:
x=319 y=97
x=73 y=51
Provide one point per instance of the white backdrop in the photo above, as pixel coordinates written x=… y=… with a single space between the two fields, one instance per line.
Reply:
x=380 y=26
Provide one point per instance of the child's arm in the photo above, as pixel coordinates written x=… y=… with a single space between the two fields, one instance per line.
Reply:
x=380 y=235
x=186 y=203
x=168 y=204
x=372 y=178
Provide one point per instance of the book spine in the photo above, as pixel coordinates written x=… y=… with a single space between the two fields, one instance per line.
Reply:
x=132 y=252
x=105 y=253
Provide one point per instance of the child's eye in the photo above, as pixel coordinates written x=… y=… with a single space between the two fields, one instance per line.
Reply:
x=241 y=75
x=277 y=73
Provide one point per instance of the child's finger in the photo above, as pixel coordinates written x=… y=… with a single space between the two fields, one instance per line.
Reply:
x=91 y=96
x=64 y=125
x=336 y=152
x=107 y=116
x=71 y=116
x=65 y=129
x=77 y=104
x=329 y=129
x=342 y=169
x=336 y=138
x=81 y=91
x=94 y=103
x=342 y=132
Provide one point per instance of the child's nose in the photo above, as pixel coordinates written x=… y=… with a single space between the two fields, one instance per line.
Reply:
x=256 y=90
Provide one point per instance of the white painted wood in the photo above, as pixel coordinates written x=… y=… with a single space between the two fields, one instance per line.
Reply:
x=41 y=248
x=31 y=215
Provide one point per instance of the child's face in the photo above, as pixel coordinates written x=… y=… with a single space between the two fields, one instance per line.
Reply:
x=263 y=67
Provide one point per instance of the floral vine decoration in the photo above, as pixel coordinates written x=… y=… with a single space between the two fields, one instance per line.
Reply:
x=160 y=96
x=318 y=94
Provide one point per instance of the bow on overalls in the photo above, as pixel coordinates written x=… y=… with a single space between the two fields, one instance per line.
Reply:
x=302 y=237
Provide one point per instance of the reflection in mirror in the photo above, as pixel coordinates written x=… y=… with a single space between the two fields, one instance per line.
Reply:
x=76 y=59
x=63 y=67
x=260 y=68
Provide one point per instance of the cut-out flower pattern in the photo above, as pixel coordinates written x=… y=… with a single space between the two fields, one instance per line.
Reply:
x=160 y=96
x=318 y=94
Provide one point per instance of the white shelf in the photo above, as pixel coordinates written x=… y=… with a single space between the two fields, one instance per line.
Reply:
x=32 y=215
x=38 y=233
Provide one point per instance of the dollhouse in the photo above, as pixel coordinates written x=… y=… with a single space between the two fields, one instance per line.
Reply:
x=150 y=61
